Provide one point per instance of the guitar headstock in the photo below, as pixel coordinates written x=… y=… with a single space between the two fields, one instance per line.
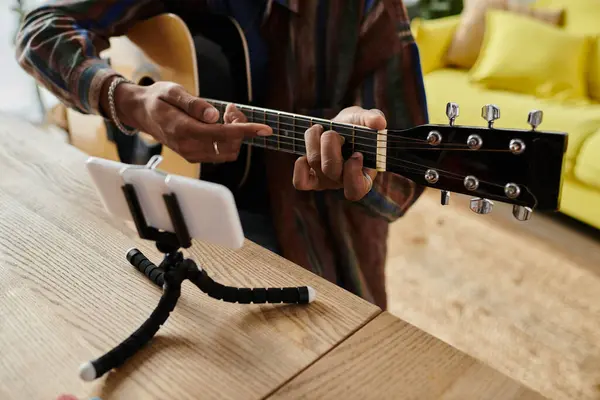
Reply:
x=515 y=166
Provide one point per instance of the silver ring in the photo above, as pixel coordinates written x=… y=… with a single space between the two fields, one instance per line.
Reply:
x=216 y=146
x=369 y=179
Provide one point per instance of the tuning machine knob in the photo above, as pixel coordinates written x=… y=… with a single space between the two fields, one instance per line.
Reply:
x=490 y=113
x=432 y=176
x=535 y=118
x=471 y=182
x=522 y=213
x=516 y=146
x=481 y=206
x=452 y=112
x=512 y=190
x=474 y=142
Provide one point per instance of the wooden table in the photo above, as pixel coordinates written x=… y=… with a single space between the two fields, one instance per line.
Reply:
x=67 y=295
x=391 y=359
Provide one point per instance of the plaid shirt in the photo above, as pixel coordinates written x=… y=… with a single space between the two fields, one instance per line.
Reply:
x=323 y=56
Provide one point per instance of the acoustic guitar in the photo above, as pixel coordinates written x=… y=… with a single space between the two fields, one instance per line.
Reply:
x=515 y=166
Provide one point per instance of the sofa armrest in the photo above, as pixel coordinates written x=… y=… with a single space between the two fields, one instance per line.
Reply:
x=433 y=38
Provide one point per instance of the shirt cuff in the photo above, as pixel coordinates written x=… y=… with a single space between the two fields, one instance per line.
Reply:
x=87 y=84
x=379 y=204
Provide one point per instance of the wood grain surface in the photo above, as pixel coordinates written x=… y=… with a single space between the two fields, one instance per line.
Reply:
x=390 y=359
x=67 y=295
x=489 y=287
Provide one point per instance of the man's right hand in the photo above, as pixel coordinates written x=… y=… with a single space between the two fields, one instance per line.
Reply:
x=186 y=124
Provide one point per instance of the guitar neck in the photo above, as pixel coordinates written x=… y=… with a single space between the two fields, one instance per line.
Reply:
x=289 y=129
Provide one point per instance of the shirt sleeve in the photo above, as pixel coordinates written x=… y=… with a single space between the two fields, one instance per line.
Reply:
x=59 y=44
x=391 y=80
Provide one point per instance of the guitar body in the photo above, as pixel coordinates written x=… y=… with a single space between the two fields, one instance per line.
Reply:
x=212 y=63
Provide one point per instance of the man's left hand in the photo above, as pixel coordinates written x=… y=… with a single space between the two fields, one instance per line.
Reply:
x=324 y=168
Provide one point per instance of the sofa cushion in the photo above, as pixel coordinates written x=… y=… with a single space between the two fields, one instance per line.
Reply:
x=594 y=76
x=523 y=55
x=582 y=17
x=433 y=38
x=466 y=43
x=587 y=165
x=452 y=85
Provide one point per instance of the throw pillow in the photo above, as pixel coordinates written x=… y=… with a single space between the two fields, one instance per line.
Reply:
x=466 y=43
x=583 y=17
x=522 y=55
x=433 y=37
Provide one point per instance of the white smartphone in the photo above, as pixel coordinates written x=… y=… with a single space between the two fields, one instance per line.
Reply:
x=106 y=175
x=208 y=209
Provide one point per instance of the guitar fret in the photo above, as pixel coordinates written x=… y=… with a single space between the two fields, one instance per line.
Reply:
x=244 y=111
x=287 y=136
x=278 y=129
x=270 y=140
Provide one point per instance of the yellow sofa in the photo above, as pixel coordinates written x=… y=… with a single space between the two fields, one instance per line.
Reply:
x=580 y=197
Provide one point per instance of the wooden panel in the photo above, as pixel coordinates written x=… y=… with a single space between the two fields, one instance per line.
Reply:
x=390 y=359
x=69 y=295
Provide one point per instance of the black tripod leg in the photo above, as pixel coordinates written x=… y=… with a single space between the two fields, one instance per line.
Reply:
x=117 y=356
x=288 y=295
x=142 y=264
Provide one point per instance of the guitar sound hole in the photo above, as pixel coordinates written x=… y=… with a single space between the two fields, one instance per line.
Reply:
x=146 y=81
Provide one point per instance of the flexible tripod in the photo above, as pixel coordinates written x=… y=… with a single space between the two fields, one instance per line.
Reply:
x=169 y=275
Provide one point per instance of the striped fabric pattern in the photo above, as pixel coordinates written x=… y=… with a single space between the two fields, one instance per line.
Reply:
x=323 y=56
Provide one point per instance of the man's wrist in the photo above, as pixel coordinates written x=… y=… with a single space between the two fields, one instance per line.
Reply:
x=126 y=97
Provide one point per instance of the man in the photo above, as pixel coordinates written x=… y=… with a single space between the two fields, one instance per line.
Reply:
x=353 y=61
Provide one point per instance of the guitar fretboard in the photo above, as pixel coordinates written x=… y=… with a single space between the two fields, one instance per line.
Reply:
x=289 y=130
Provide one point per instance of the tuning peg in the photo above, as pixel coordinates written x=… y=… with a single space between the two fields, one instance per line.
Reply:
x=434 y=138
x=535 y=118
x=445 y=200
x=481 y=206
x=474 y=142
x=490 y=113
x=452 y=112
x=512 y=190
x=516 y=146
x=432 y=176
x=471 y=182
x=522 y=213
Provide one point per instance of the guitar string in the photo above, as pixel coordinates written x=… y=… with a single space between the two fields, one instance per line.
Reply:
x=439 y=148
x=372 y=137
x=442 y=148
x=393 y=139
x=387 y=141
x=311 y=120
x=401 y=163
x=319 y=121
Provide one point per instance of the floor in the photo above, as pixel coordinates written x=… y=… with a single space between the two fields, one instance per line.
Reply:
x=522 y=297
